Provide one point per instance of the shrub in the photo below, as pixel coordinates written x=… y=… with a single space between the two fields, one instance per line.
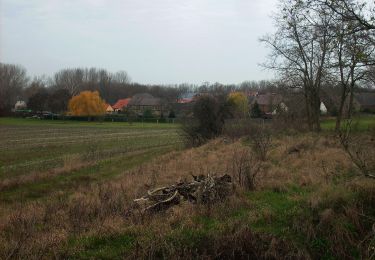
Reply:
x=261 y=141
x=208 y=121
x=355 y=146
x=237 y=103
x=237 y=128
x=245 y=168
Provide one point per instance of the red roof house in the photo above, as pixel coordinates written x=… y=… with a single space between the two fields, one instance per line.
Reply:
x=121 y=104
x=108 y=108
x=184 y=100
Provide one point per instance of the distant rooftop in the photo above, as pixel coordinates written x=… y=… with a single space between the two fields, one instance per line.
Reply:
x=121 y=103
x=144 y=99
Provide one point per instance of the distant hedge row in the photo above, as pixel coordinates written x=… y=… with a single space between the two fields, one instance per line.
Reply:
x=105 y=118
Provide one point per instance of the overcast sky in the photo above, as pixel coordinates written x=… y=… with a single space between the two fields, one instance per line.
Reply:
x=155 y=41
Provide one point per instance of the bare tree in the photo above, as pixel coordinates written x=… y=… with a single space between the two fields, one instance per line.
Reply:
x=370 y=75
x=12 y=81
x=300 y=51
x=38 y=101
x=359 y=12
x=111 y=86
x=353 y=53
x=70 y=79
x=353 y=46
x=121 y=77
x=261 y=141
x=58 y=100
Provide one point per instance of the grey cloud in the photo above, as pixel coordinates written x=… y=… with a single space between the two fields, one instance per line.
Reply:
x=163 y=41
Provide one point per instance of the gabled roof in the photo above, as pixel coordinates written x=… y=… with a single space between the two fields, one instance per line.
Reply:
x=144 y=99
x=108 y=108
x=121 y=103
x=269 y=99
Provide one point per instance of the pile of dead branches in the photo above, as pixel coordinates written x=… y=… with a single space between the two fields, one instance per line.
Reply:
x=203 y=190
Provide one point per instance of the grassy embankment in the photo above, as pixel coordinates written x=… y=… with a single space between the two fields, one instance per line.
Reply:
x=309 y=202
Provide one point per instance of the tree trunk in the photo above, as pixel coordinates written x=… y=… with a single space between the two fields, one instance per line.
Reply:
x=350 y=110
x=340 y=111
x=308 y=112
x=316 y=109
x=352 y=86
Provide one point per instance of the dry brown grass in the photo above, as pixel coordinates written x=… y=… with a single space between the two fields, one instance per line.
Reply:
x=43 y=229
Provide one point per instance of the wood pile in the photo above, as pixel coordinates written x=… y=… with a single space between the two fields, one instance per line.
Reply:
x=202 y=190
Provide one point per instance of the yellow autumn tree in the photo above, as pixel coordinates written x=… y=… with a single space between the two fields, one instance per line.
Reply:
x=239 y=103
x=87 y=103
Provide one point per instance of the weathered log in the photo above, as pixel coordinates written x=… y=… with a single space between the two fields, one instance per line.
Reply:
x=164 y=204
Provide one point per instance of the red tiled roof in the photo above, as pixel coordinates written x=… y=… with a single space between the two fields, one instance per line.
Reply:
x=121 y=103
x=184 y=100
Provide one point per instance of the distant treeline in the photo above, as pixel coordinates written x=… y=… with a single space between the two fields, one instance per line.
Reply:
x=53 y=93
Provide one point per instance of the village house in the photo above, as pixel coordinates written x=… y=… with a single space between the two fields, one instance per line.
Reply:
x=108 y=109
x=332 y=103
x=121 y=105
x=139 y=103
x=362 y=102
x=268 y=103
x=20 y=104
x=186 y=98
